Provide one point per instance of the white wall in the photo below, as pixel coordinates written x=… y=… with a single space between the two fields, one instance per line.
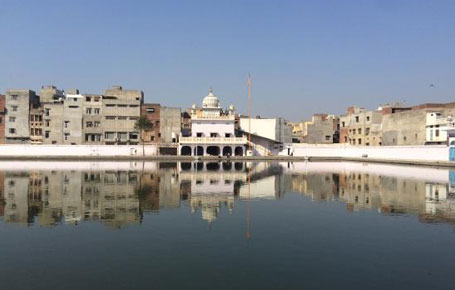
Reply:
x=212 y=126
x=75 y=150
x=419 y=152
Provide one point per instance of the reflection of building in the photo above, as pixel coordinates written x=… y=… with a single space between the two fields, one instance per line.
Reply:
x=212 y=131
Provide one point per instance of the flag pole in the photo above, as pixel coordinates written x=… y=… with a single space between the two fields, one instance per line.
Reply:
x=249 y=112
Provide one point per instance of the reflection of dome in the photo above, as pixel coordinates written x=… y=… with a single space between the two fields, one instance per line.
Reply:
x=211 y=101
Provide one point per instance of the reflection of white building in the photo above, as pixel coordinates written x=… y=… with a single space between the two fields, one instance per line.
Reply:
x=212 y=131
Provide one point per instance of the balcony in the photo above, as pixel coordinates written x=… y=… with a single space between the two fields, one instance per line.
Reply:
x=213 y=140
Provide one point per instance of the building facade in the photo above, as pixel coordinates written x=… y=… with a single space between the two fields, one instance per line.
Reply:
x=121 y=110
x=361 y=127
x=17 y=125
x=152 y=113
x=322 y=129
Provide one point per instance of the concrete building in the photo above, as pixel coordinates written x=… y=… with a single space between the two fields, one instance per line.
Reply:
x=92 y=119
x=361 y=127
x=36 y=125
x=152 y=113
x=18 y=104
x=274 y=129
x=2 y=118
x=121 y=110
x=409 y=127
x=212 y=131
x=52 y=100
x=269 y=136
x=72 y=119
x=170 y=124
x=322 y=129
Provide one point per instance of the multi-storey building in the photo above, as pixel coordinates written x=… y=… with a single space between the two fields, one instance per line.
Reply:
x=121 y=110
x=2 y=118
x=92 y=119
x=322 y=129
x=152 y=113
x=52 y=101
x=36 y=125
x=361 y=127
x=170 y=124
x=72 y=118
x=17 y=126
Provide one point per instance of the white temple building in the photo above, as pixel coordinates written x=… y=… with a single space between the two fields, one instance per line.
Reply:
x=212 y=131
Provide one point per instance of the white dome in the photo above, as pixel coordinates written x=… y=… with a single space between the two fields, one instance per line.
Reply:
x=211 y=101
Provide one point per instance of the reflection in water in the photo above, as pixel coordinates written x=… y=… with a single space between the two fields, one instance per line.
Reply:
x=119 y=195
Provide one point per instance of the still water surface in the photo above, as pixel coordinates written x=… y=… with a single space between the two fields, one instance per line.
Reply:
x=117 y=225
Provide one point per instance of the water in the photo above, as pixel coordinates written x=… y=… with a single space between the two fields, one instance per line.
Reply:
x=117 y=225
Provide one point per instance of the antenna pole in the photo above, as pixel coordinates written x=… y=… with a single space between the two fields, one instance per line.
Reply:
x=249 y=112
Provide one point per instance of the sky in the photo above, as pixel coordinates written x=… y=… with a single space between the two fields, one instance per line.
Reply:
x=304 y=57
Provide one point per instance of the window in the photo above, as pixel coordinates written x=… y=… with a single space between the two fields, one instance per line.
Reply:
x=122 y=136
x=368 y=118
x=88 y=111
x=198 y=134
x=436 y=133
x=96 y=124
x=343 y=124
x=404 y=138
x=14 y=108
x=152 y=138
x=360 y=131
x=133 y=135
x=12 y=119
x=150 y=110
x=227 y=135
x=47 y=111
x=122 y=105
x=110 y=105
x=14 y=97
x=89 y=124
x=109 y=135
x=110 y=117
x=134 y=106
x=67 y=135
x=1 y=120
x=46 y=134
x=133 y=118
x=357 y=119
x=47 y=123
x=367 y=131
x=88 y=99
x=327 y=137
x=65 y=124
x=213 y=135
x=122 y=117
x=360 y=141
x=12 y=131
x=96 y=111
x=97 y=99
x=74 y=107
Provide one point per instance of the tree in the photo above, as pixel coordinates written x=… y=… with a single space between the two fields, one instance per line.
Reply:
x=143 y=125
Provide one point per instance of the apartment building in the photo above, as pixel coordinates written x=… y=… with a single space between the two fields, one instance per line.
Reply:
x=92 y=119
x=152 y=113
x=17 y=124
x=121 y=110
x=72 y=118
x=361 y=127
x=322 y=129
x=52 y=100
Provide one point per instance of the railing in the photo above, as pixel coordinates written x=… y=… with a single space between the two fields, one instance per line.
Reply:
x=213 y=140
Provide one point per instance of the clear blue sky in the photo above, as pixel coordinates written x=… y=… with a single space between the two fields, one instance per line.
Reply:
x=304 y=56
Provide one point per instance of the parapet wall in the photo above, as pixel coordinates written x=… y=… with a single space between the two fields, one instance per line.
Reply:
x=424 y=153
x=43 y=151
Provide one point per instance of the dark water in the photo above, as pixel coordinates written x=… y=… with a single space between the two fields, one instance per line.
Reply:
x=86 y=225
